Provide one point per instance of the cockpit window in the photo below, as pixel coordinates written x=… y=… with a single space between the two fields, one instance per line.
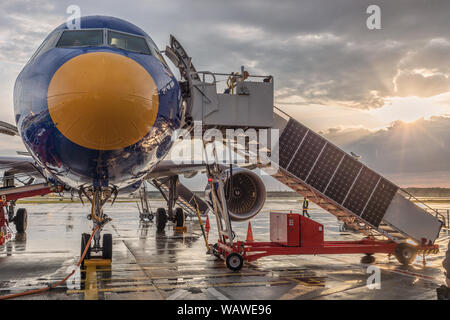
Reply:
x=80 y=38
x=128 y=42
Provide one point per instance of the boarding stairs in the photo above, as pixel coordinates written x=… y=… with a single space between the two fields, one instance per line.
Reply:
x=368 y=195
x=307 y=162
x=186 y=199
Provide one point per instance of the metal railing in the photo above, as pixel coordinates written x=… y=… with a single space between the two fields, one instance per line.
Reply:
x=444 y=213
x=427 y=208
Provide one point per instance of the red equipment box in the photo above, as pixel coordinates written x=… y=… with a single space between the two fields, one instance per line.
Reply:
x=311 y=233
x=294 y=230
x=285 y=229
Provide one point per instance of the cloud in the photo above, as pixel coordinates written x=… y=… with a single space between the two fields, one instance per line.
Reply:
x=345 y=136
x=416 y=84
x=23 y=26
x=320 y=52
x=416 y=151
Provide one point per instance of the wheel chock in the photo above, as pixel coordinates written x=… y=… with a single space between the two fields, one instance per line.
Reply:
x=97 y=262
x=180 y=229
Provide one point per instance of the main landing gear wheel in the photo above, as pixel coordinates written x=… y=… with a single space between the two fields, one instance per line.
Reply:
x=84 y=240
x=161 y=219
x=179 y=217
x=107 y=246
x=405 y=253
x=234 y=261
x=20 y=220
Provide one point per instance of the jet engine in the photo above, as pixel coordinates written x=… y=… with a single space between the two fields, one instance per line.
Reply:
x=245 y=193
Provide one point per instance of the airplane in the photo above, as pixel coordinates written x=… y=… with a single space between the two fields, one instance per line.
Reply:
x=97 y=109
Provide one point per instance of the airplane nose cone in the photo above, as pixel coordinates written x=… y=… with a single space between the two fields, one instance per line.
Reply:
x=103 y=100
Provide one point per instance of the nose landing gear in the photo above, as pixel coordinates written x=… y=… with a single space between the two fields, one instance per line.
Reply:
x=97 y=197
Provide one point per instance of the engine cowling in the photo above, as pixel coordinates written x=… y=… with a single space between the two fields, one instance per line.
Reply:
x=245 y=193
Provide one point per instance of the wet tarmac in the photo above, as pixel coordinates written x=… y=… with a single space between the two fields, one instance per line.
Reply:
x=173 y=265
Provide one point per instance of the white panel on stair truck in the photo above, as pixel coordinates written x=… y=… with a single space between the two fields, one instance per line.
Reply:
x=412 y=220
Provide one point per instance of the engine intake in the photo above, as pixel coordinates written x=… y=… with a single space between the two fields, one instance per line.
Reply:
x=245 y=193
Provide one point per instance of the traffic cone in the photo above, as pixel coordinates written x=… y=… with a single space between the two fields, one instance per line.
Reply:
x=249 y=232
x=207 y=225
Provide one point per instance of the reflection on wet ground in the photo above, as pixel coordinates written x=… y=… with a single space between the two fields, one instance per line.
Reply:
x=170 y=265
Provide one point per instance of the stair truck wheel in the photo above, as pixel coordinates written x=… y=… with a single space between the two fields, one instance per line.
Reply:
x=107 y=246
x=234 y=261
x=21 y=219
x=179 y=217
x=84 y=240
x=368 y=258
x=405 y=253
x=161 y=219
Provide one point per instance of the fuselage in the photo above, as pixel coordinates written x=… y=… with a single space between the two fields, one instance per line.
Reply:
x=97 y=106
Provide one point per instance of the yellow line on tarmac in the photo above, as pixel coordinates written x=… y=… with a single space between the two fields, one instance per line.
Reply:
x=184 y=276
x=309 y=282
x=208 y=275
x=168 y=287
x=91 y=291
x=228 y=284
x=118 y=289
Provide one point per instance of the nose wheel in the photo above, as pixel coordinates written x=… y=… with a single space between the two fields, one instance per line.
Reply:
x=98 y=198
x=84 y=241
x=107 y=246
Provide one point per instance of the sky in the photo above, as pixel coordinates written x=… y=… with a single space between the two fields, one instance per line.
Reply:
x=384 y=94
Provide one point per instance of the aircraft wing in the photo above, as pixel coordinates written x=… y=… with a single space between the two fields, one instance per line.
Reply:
x=18 y=165
x=21 y=164
x=8 y=129
x=167 y=168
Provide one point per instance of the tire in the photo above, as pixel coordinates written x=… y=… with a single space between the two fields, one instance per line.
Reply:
x=234 y=261
x=21 y=220
x=161 y=219
x=107 y=246
x=405 y=253
x=179 y=217
x=84 y=240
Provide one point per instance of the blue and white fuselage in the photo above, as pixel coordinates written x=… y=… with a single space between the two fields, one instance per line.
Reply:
x=97 y=106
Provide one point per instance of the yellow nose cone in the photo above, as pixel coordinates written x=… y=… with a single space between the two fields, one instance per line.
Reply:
x=103 y=101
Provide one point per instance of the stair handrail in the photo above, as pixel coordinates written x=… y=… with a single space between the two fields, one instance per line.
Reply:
x=437 y=213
